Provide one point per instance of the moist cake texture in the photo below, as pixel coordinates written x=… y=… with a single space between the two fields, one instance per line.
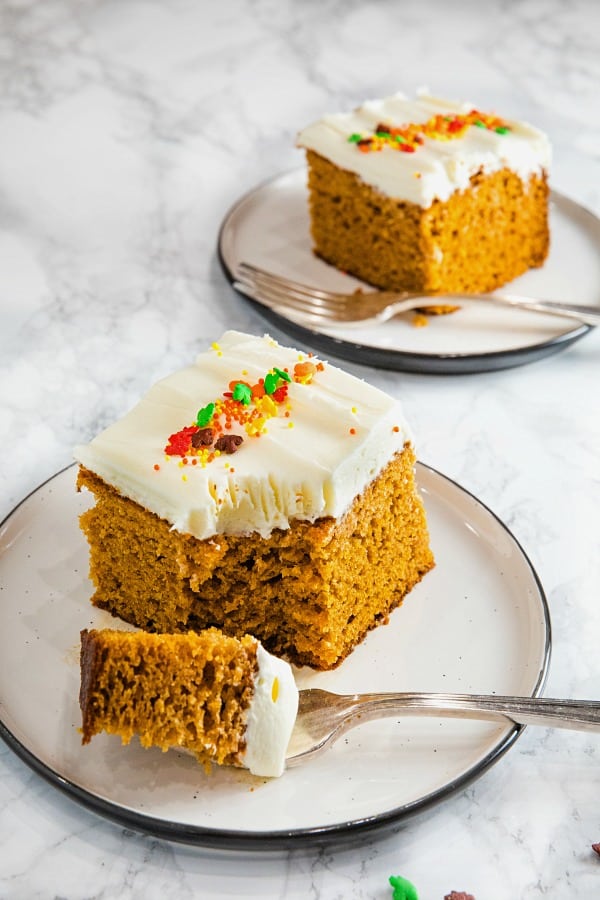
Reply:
x=227 y=701
x=427 y=194
x=306 y=536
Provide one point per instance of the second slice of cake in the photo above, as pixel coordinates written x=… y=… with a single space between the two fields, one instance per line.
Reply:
x=427 y=194
x=260 y=491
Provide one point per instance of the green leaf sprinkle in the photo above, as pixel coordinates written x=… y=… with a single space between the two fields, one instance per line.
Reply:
x=403 y=888
x=282 y=374
x=354 y=138
x=205 y=415
x=271 y=382
x=242 y=393
x=502 y=129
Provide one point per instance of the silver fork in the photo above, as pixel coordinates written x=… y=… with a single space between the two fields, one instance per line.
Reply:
x=319 y=306
x=323 y=717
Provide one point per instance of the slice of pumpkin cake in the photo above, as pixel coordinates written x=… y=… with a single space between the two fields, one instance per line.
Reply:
x=260 y=491
x=427 y=194
x=225 y=700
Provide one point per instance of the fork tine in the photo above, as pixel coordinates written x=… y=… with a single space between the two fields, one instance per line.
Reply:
x=278 y=292
x=263 y=278
x=276 y=298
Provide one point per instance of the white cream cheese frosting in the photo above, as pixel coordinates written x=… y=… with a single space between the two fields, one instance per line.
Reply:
x=438 y=168
x=271 y=716
x=326 y=441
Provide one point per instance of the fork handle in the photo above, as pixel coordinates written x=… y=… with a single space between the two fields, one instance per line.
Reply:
x=586 y=314
x=578 y=715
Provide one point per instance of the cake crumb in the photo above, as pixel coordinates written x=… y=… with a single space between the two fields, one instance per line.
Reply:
x=437 y=309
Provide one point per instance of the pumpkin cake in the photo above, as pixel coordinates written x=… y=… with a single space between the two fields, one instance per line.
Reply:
x=259 y=491
x=225 y=700
x=427 y=194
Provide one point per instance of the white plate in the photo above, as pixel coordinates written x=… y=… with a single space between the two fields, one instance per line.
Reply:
x=269 y=227
x=477 y=623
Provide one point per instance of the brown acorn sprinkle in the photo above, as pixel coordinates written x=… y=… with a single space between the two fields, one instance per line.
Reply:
x=203 y=438
x=459 y=895
x=229 y=443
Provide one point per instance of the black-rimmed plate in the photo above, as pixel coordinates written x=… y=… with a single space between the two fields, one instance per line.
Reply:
x=477 y=623
x=269 y=227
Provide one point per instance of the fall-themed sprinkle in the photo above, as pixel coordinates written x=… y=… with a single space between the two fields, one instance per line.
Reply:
x=250 y=406
x=408 y=138
x=459 y=895
x=402 y=888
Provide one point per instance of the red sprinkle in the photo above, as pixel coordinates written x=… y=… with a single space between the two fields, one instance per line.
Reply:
x=180 y=443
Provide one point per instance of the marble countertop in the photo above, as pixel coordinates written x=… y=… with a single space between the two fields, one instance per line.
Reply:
x=127 y=131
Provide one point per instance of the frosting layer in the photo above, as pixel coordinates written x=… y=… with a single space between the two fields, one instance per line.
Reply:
x=326 y=441
x=271 y=715
x=439 y=167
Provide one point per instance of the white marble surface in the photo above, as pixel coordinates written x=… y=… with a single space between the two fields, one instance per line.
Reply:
x=126 y=132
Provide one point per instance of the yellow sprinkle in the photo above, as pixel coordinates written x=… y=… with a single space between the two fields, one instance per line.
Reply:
x=290 y=424
x=275 y=690
x=354 y=409
x=180 y=463
x=184 y=477
x=215 y=346
x=266 y=406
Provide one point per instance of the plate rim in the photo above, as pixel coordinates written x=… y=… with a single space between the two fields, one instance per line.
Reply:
x=340 y=833
x=389 y=358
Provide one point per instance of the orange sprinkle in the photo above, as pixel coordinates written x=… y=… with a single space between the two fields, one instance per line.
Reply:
x=395 y=428
x=156 y=467
x=353 y=431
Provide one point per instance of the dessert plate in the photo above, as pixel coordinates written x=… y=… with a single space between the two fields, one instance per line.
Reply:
x=269 y=228
x=477 y=623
